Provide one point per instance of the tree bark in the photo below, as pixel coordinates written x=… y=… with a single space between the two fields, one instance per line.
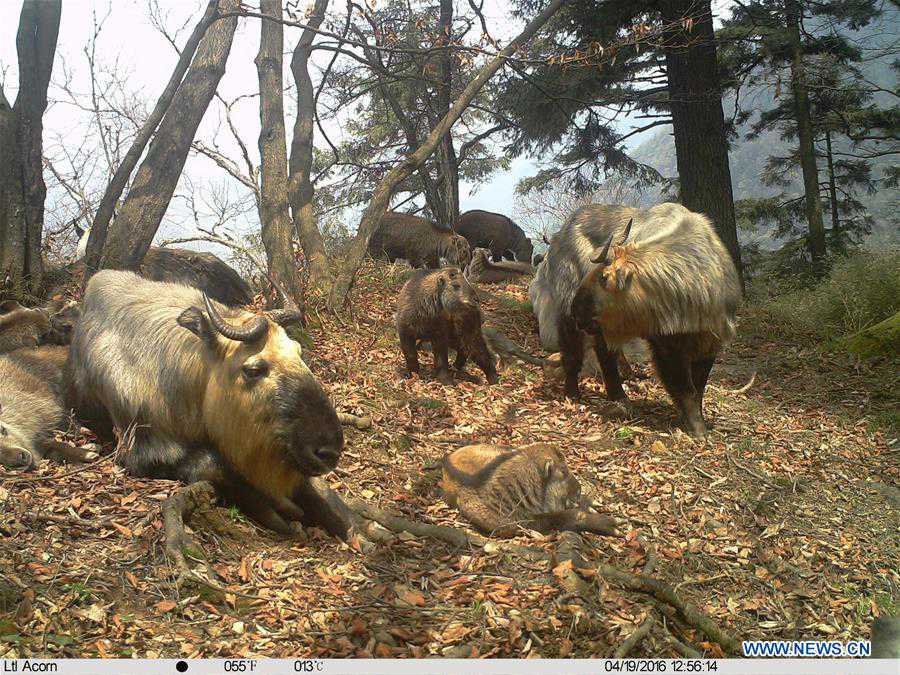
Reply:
x=22 y=188
x=154 y=184
x=383 y=191
x=695 y=101
x=832 y=195
x=119 y=181
x=806 y=148
x=448 y=163
x=302 y=190
x=273 y=205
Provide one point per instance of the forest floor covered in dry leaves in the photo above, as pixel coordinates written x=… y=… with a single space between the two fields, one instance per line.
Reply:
x=783 y=524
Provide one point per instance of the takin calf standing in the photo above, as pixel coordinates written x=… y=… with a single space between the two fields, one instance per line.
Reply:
x=669 y=280
x=27 y=327
x=419 y=241
x=500 y=489
x=31 y=407
x=209 y=394
x=483 y=270
x=442 y=307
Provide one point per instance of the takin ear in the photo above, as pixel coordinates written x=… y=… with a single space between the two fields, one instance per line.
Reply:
x=8 y=306
x=197 y=322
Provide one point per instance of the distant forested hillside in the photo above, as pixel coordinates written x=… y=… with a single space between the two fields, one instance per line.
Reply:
x=748 y=157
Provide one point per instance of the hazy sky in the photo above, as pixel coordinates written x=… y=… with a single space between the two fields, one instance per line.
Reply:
x=131 y=45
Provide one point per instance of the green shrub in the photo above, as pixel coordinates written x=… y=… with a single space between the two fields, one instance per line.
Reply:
x=860 y=291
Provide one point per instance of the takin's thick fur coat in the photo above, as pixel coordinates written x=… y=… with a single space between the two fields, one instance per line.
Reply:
x=499 y=489
x=483 y=270
x=419 y=241
x=32 y=407
x=245 y=414
x=441 y=307
x=672 y=282
x=495 y=232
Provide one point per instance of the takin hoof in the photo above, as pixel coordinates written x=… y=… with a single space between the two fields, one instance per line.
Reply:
x=696 y=429
x=444 y=377
x=493 y=378
x=623 y=408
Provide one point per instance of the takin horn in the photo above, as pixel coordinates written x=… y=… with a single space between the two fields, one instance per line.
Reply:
x=602 y=257
x=257 y=328
x=287 y=316
x=627 y=231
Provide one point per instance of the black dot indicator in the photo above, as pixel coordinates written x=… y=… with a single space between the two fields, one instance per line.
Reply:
x=181 y=666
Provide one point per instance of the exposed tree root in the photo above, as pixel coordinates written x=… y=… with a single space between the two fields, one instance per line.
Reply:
x=349 y=420
x=665 y=593
x=732 y=392
x=635 y=638
x=567 y=559
x=175 y=509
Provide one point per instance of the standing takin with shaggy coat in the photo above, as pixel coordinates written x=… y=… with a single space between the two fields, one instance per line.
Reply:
x=209 y=394
x=495 y=232
x=417 y=240
x=32 y=408
x=668 y=279
x=442 y=307
x=199 y=269
x=485 y=271
x=499 y=489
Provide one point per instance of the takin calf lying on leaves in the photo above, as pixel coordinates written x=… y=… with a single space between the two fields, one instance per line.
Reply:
x=30 y=327
x=442 y=307
x=31 y=408
x=499 y=489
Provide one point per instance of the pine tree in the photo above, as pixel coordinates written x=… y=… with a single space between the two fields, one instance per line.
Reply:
x=801 y=48
x=653 y=59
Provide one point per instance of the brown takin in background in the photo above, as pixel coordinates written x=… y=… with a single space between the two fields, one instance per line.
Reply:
x=483 y=270
x=442 y=307
x=27 y=327
x=419 y=241
x=31 y=407
x=499 y=489
x=219 y=395
x=661 y=274
x=495 y=232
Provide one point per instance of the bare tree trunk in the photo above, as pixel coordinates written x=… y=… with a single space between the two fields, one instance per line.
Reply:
x=301 y=186
x=695 y=102
x=806 y=148
x=382 y=194
x=832 y=195
x=448 y=174
x=154 y=184
x=97 y=238
x=273 y=206
x=22 y=188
